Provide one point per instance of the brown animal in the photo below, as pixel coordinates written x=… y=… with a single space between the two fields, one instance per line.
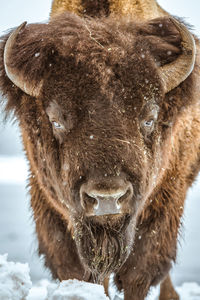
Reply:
x=109 y=114
x=137 y=9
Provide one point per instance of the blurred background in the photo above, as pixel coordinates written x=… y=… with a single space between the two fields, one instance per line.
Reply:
x=17 y=236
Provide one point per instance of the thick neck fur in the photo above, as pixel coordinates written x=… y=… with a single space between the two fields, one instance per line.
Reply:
x=140 y=9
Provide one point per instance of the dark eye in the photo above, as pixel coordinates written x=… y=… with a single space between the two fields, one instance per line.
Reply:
x=148 y=124
x=147 y=127
x=57 y=125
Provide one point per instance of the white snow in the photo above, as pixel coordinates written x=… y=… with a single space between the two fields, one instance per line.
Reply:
x=187 y=291
x=76 y=290
x=15 y=284
x=15 y=281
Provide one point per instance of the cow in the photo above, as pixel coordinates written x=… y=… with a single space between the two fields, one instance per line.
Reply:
x=108 y=108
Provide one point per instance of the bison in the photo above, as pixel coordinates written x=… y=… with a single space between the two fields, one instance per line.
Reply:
x=109 y=114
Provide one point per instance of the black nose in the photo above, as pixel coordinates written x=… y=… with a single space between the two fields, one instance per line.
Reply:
x=100 y=198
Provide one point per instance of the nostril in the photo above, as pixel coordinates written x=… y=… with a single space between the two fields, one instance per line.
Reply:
x=124 y=197
x=88 y=201
x=110 y=199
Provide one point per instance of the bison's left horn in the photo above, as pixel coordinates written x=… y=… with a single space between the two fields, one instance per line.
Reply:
x=17 y=77
x=176 y=72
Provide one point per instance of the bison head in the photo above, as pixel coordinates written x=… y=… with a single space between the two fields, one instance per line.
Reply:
x=96 y=104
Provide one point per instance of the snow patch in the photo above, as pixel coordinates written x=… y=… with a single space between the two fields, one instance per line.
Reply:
x=39 y=292
x=15 y=281
x=15 y=284
x=189 y=290
x=76 y=290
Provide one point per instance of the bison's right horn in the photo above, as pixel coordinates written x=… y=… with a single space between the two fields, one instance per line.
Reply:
x=174 y=73
x=19 y=79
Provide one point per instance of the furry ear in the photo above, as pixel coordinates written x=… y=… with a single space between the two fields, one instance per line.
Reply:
x=164 y=39
x=173 y=48
x=31 y=57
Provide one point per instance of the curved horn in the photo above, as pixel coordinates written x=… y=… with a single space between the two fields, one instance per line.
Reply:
x=13 y=74
x=176 y=72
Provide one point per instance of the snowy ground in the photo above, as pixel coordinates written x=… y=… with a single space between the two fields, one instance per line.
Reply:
x=15 y=284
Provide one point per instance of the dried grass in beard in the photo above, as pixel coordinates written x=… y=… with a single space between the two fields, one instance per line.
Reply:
x=103 y=248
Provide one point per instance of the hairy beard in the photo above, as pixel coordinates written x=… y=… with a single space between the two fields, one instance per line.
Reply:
x=103 y=247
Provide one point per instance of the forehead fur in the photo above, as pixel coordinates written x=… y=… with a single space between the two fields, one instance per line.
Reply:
x=106 y=47
x=69 y=34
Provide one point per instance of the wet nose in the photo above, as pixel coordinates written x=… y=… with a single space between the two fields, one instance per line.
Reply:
x=99 y=200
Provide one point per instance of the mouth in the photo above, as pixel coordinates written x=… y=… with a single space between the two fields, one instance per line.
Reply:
x=103 y=243
x=110 y=220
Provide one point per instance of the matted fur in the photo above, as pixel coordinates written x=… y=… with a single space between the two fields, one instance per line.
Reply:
x=101 y=81
x=137 y=9
x=106 y=246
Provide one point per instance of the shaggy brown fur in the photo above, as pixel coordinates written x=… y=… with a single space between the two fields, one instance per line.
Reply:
x=101 y=84
x=136 y=9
